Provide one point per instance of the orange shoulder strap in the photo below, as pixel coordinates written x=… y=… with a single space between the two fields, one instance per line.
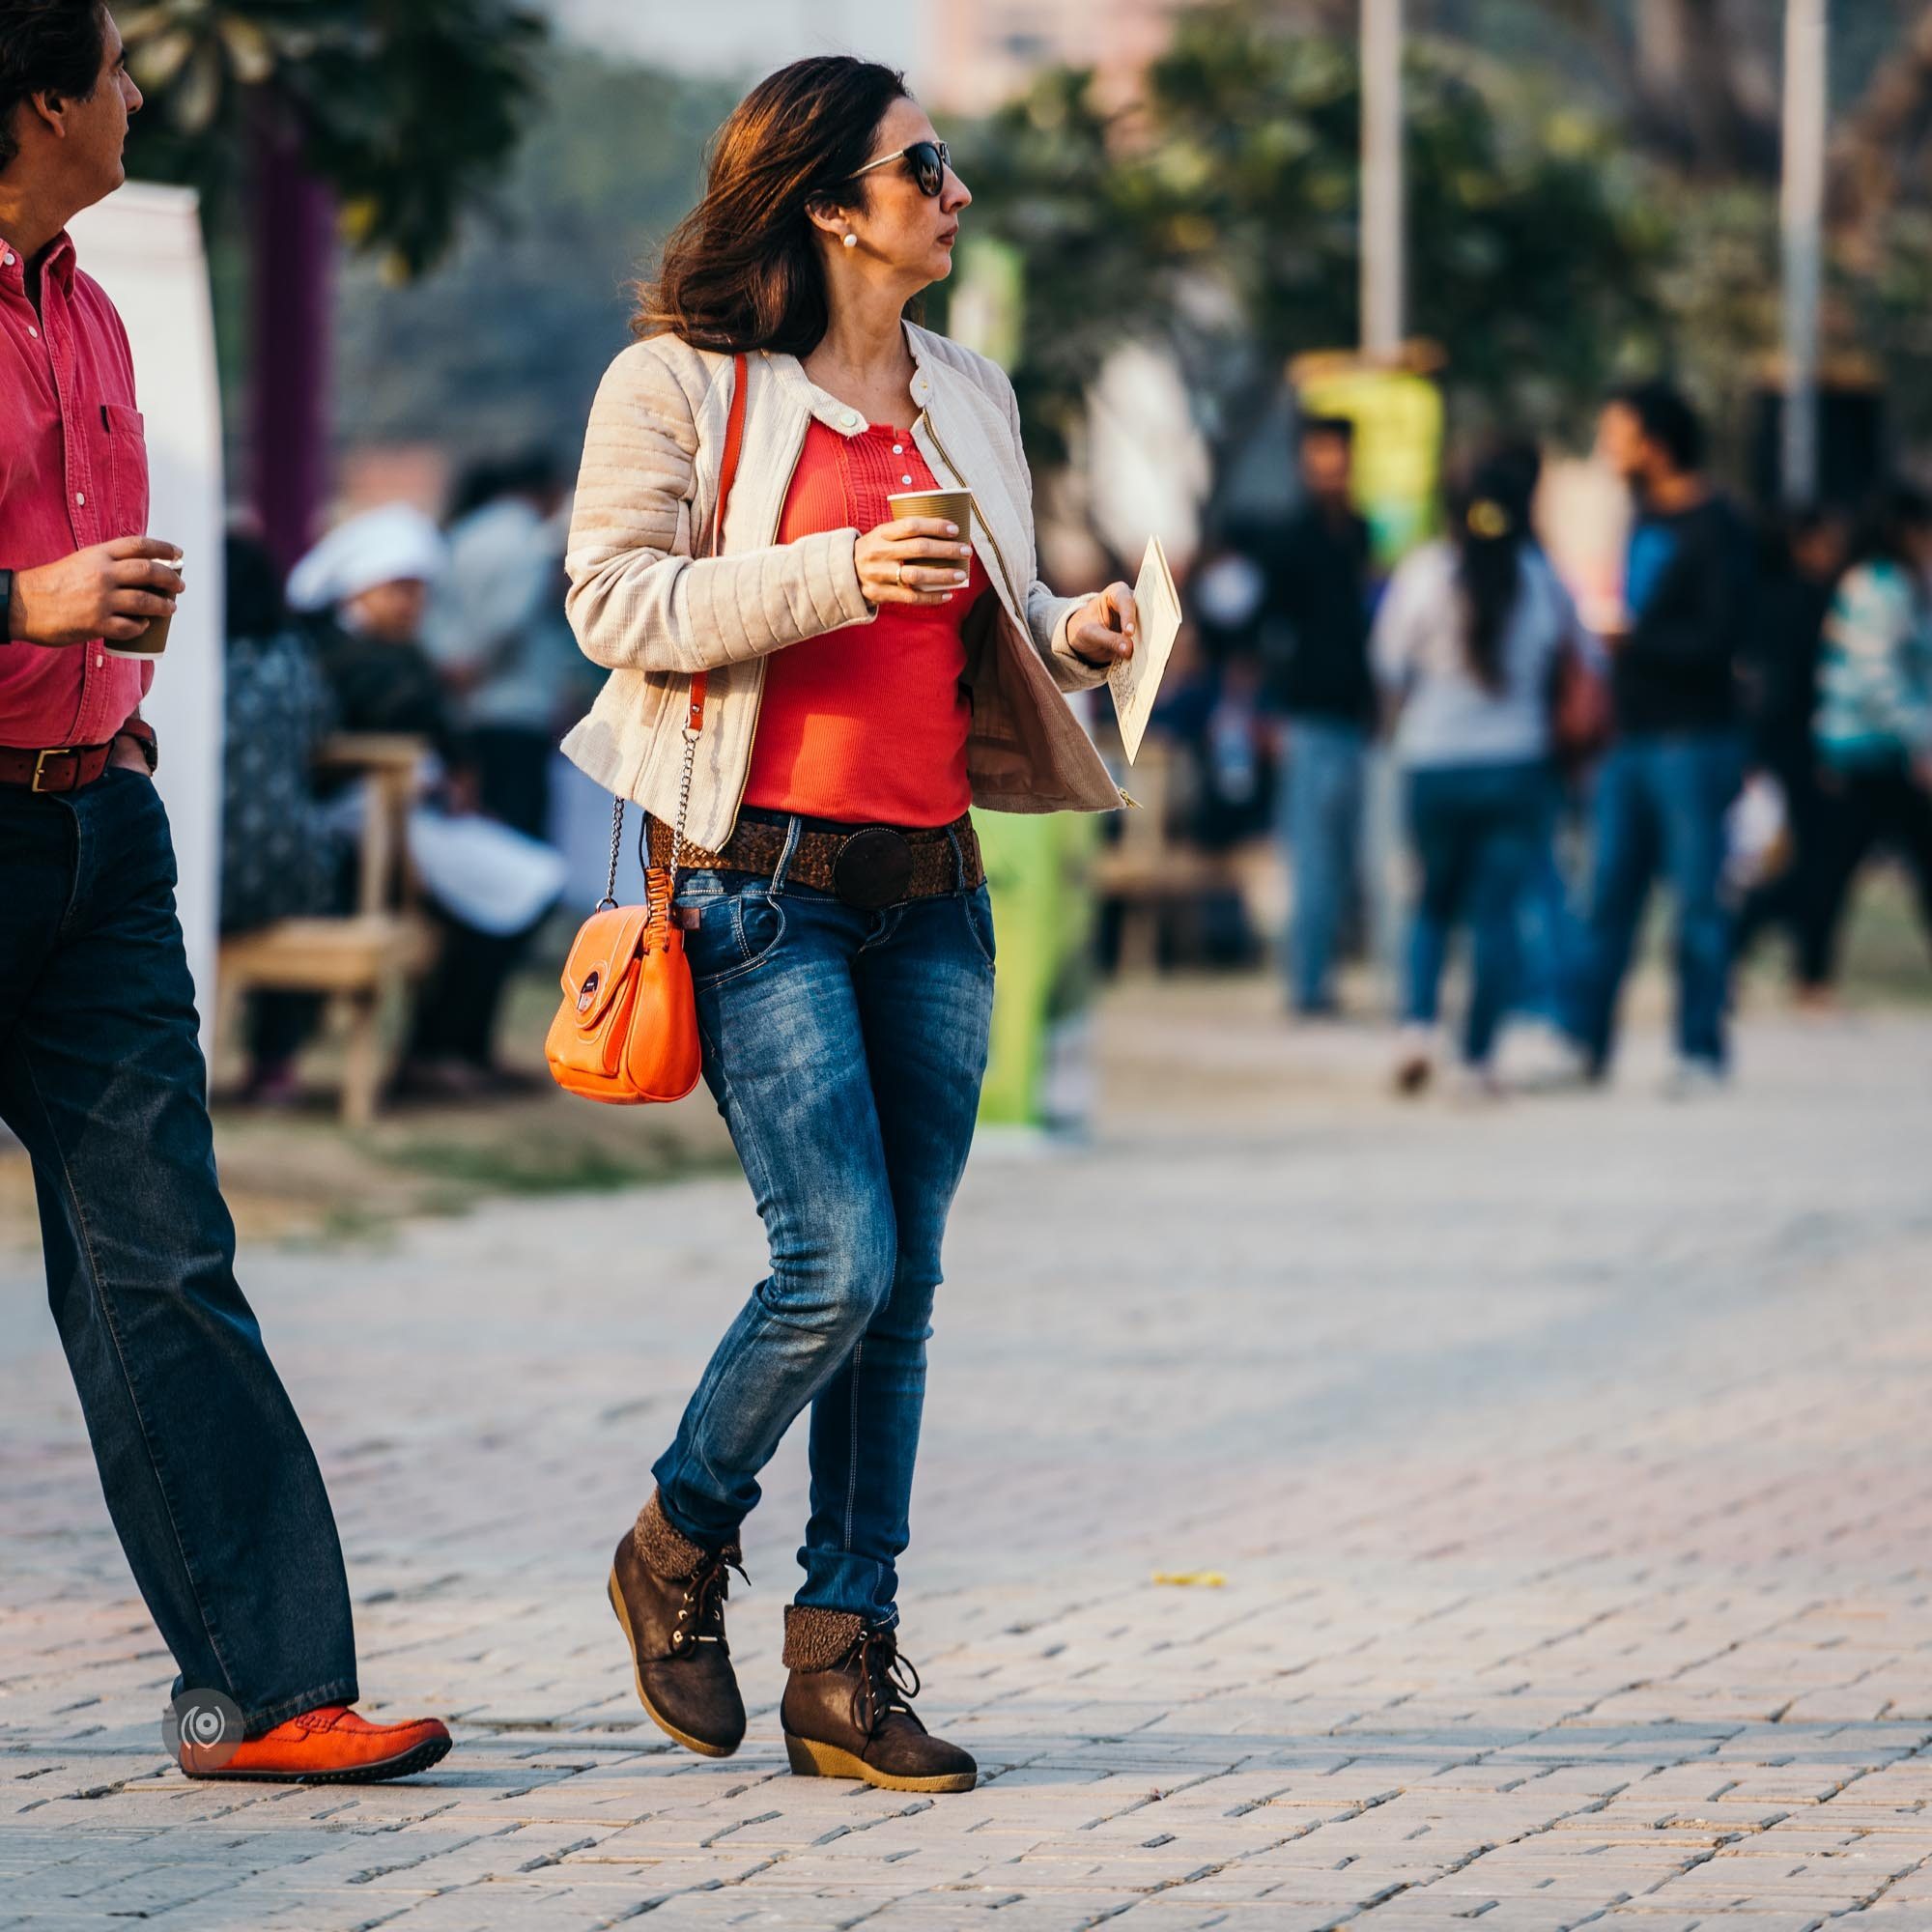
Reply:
x=728 y=474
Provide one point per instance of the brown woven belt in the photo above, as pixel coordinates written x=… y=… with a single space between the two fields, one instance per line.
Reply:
x=865 y=866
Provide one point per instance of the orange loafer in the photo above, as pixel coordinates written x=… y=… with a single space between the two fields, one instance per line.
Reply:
x=330 y=1746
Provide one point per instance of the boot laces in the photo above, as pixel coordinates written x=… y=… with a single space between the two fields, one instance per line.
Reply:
x=701 y=1619
x=887 y=1681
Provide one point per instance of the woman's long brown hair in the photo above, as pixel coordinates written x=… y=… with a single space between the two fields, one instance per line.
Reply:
x=742 y=271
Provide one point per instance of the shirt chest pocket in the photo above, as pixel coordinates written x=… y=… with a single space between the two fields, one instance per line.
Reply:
x=122 y=472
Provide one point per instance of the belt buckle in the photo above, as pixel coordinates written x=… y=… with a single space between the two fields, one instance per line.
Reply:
x=872 y=870
x=33 y=785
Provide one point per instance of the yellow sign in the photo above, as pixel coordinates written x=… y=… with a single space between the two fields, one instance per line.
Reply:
x=1398 y=420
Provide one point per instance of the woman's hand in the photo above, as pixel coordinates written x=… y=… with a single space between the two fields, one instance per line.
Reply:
x=1102 y=630
x=915 y=560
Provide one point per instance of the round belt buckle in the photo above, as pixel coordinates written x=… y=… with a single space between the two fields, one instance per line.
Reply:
x=872 y=870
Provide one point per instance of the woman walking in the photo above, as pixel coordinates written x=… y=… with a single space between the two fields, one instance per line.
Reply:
x=1467 y=644
x=854 y=680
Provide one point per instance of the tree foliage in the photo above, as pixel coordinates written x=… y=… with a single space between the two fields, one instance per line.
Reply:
x=406 y=108
x=1231 y=188
x=503 y=345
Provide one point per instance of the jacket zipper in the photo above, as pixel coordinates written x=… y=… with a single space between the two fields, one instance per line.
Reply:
x=998 y=556
x=771 y=537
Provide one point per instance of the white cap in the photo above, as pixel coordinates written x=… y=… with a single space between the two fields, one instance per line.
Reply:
x=396 y=543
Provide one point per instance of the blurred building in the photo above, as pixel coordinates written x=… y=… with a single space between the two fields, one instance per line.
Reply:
x=985 y=51
x=745 y=38
x=965 y=56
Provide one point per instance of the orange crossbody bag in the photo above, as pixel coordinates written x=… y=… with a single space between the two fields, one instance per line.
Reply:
x=627 y=1031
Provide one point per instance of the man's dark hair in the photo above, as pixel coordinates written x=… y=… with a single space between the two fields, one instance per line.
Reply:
x=1343 y=428
x=1666 y=416
x=47 y=46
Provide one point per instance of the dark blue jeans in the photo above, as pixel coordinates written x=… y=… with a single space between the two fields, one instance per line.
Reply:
x=1476 y=830
x=1321 y=801
x=846 y=1051
x=1660 y=807
x=208 y=1478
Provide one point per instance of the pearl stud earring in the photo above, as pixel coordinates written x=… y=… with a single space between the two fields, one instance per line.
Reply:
x=851 y=241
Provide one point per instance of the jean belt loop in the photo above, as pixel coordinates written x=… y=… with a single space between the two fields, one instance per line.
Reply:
x=794 y=831
x=958 y=860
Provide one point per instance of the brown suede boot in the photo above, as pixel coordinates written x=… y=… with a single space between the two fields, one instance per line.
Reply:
x=848 y=1710
x=669 y=1595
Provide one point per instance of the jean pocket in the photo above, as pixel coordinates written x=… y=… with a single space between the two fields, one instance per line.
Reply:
x=737 y=932
x=701 y=889
x=978 y=908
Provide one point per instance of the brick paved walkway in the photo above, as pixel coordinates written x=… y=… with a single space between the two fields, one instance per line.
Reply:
x=1565 y=1463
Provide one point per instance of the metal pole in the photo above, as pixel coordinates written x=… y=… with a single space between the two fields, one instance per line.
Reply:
x=1382 y=321
x=1383 y=327
x=1800 y=215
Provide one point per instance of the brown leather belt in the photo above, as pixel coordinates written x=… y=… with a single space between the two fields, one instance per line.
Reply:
x=62 y=768
x=865 y=866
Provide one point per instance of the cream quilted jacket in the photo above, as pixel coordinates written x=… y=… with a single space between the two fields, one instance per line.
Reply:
x=644 y=604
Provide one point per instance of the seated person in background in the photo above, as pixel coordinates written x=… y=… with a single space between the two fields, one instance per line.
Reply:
x=365 y=587
x=364 y=590
x=280 y=858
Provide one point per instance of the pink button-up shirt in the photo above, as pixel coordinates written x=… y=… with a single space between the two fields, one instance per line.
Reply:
x=73 y=472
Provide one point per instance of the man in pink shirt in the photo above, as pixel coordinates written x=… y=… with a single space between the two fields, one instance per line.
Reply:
x=209 y=1477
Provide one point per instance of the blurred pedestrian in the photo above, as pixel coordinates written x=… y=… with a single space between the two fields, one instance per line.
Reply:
x=1316 y=638
x=855 y=680
x=1466 y=645
x=496 y=631
x=209 y=1477
x=281 y=858
x=1549 y=932
x=1874 y=726
x=1677 y=763
x=365 y=587
x=1803 y=558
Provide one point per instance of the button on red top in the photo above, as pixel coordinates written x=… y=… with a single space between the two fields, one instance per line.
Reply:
x=866 y=723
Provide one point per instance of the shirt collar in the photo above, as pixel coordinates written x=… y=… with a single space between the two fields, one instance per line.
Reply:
x=57 y=266
x=826 y=407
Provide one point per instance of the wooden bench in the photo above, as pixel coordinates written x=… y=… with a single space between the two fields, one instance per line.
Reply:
x=1151 y=876
x=360 y=959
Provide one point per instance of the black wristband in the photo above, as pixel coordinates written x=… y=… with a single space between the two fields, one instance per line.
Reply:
x=6 y=603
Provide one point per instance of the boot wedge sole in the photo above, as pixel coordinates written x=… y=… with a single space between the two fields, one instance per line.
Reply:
x=651 y=1711
x=810 y=1759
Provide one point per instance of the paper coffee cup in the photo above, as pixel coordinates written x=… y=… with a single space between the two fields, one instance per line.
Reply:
x=952 y=506
x=150 y=643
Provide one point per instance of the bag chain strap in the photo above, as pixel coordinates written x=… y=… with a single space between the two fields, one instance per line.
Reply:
x=691 y=730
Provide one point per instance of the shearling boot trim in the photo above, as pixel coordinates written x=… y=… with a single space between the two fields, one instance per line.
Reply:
x=662 y=1549
x=816 y=1639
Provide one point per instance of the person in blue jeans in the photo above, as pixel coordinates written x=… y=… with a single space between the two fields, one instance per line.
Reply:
x=816 y=701
x=1314 y=631
x=208 y=1475
x=1465 y=647
x=1677 y=764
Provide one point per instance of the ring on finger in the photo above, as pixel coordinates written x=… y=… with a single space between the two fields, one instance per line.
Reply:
x=899 y=573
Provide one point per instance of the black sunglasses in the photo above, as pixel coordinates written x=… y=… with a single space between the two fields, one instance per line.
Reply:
x=930 y=162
